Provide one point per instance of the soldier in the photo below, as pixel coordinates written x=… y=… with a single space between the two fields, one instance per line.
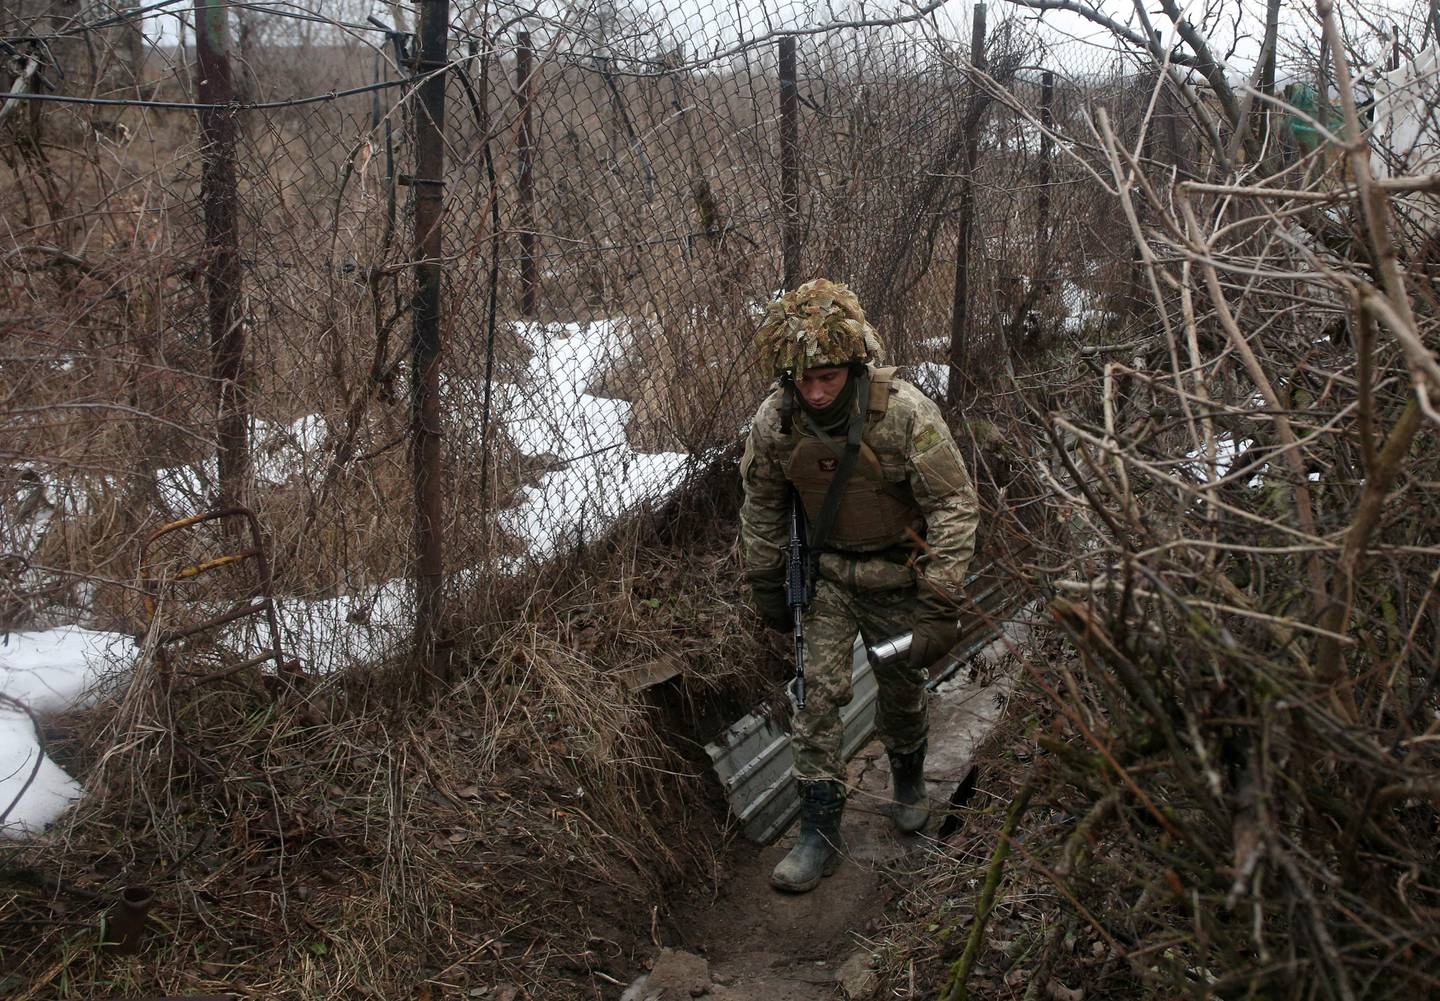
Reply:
x=881 y=480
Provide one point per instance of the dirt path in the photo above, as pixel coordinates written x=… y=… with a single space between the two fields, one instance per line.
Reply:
x=751 y=943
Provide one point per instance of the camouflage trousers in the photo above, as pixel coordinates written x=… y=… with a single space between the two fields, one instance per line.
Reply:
x=836 y=614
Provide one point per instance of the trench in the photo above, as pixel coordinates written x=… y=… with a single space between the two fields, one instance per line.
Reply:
x=744 y=941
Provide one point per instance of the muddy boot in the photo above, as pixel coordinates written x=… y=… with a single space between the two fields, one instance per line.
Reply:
x=911 y=810
x=817 y=851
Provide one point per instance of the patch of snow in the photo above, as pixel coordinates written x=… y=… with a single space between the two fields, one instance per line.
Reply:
x=46 y=797
x=24 y=537
x=188 y=490
x=589 y=495
x=1075 y=298
x=1226 y=450
x=1076 y=323
x=283 y=452
x=550 y=414
x=278 y=453
x=931 y=378
x=47 y=672
x=59 y=668
x=363 y=628
x=1082 y=309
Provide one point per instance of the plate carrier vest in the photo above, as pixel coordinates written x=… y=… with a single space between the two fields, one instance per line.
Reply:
x=873 y=514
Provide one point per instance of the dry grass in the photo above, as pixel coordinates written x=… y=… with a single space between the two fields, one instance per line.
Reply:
x=315 y=838
x=1231 y=779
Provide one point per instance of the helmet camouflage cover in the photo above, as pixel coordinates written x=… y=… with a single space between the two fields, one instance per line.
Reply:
x=818 y=324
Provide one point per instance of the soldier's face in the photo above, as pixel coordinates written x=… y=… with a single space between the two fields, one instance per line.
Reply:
x=818 y=387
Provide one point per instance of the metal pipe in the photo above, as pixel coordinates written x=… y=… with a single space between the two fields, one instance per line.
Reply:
x=125 y=929
x=887 y=651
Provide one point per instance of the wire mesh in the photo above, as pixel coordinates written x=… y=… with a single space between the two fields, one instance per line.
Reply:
x=614 y=219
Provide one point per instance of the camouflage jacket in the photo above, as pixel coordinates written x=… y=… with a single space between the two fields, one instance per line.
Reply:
x=917 y=454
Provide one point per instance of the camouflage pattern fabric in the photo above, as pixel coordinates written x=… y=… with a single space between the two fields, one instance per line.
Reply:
x=835 y=616
x=916 y=454
x=874 y=594
x=820 y=323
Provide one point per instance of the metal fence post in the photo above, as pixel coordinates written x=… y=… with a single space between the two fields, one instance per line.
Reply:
x=1047 y=121
x=959 y=307
x=429 y=190
x=525 y=182
x=219 y=200
x=789 y=163
x=1138 y=299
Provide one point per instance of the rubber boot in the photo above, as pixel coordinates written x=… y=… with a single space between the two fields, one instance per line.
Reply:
x=911 y=810
x=817 y=850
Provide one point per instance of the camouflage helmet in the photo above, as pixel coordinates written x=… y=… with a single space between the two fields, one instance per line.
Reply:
x=816 y=325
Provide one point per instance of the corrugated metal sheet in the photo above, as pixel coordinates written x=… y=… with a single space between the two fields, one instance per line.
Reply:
x=753 y=757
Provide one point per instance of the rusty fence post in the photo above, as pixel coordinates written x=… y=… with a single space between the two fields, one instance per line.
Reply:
x=425 y=345
x=959 y=307
x=789 y=163
x=219 y=200
x=525 y=181
x=1047 y=120
x=1042 y=278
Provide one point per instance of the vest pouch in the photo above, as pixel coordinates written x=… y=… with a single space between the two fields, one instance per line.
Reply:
x=871 y=516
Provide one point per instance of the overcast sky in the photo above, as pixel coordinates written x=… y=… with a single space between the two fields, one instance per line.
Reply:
x=710 y=25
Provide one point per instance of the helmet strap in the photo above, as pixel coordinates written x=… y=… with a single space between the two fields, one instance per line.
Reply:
x=787 y=404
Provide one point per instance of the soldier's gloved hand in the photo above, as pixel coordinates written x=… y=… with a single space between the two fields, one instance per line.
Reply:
x=769 y=597
x=935 y=632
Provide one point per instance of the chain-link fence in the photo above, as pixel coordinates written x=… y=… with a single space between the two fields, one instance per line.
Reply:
x=622 y=191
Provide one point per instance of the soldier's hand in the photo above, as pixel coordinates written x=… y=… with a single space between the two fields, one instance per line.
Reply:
x=769 y=597
x=935 y=632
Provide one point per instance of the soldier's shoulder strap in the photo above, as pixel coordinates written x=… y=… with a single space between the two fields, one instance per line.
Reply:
x=881 y=380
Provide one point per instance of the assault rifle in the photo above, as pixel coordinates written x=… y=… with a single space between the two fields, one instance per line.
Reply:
x=798 y=591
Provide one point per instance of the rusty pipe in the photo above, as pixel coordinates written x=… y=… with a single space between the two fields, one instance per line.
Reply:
x=125 y=928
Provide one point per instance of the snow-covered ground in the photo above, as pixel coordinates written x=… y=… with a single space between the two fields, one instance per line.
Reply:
x=1225 y=452
x=601 y=477
x=931 y=378
x=279 y=453
x=46 y=672
x=1080 y=309
x=596 y=478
